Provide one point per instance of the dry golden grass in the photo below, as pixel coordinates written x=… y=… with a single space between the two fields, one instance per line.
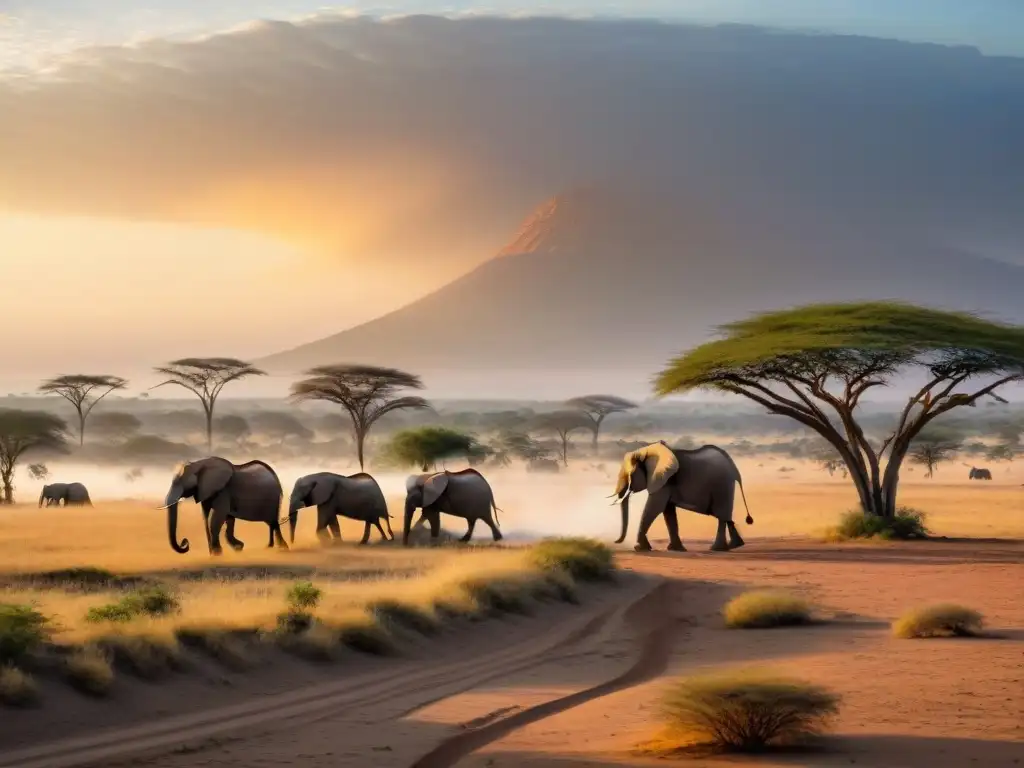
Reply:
x=17 y=689
x=88 y=670
x=766 y=608
x=944 y=620
x=743 y=711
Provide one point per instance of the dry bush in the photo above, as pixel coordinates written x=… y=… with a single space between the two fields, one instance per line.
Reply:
x=219 y=643
x=745 y=711
x=17 y=689
x=88 y=670
x=584 y=559
x=767 y=608
x=945 y=620
x=391 y=612
x=148 y=655
x=905 y=525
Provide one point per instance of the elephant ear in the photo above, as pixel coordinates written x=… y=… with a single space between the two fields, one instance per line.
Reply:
x=434 y=487
x=212 y=479
x=322 y=491
x=661 y=463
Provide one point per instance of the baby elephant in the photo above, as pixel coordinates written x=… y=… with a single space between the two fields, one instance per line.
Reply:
x=72 y=494
x=464 y=494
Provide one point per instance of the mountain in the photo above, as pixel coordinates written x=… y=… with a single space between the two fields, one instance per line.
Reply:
x=622 y=278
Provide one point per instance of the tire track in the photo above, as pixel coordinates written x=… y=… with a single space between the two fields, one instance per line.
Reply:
x=652 y=614
x=368 y=690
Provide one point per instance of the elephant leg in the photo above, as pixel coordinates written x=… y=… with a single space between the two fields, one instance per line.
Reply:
x=720 y=544
x=270 y=535
x=655 y=506
x=469 y=531
x=672 y=523
x=229 y=534
x=366 y=533
x=495 y=533
x=218 y=516
x=207 y=506
x=391 y=534
x=735 y=540
x=276 y=536
x=380 y=528
x=335 y=528
x=435 y=524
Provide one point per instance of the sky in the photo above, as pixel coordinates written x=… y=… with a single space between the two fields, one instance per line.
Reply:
x=125 y=255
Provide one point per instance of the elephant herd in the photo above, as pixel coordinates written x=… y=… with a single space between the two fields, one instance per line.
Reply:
x=252 y=491
x=701 y=481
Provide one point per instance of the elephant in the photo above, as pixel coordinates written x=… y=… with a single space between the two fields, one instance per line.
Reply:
x=980 y=473
x=357 y=497
x=72 y=494
x=226 y=491
x=464 y=494
x=700 y=480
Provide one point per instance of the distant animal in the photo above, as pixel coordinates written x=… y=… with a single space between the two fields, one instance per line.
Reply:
x=702 y=480
x=465 y=494
x=226 y=491
x=980 y=473
x=357 y=497
x=542 y=465
x=72 y=494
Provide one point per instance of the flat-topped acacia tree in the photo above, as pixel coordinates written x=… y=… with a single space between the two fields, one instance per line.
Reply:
x=815 y=363
x=83 y=391
x=366 y=393
x=206 y=377
x=599 y=407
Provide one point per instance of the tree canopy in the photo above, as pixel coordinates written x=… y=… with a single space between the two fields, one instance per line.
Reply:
x=365 y=392
x=814 y=363
x=22 y=432
x=425 y=446
x=562 y=423
x=206 y=377
x=598 y=407
x=83 y=391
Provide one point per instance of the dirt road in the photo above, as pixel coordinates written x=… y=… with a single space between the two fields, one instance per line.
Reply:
x=577 y=686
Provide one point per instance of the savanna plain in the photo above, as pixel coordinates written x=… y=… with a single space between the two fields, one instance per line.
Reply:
x=529 y=653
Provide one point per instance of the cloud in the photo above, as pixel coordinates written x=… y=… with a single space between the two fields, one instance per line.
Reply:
x=425 y=139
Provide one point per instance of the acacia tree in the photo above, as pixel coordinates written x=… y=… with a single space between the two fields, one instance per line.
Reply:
x=206 y=377
x=83 y=391
x=563 y=424
x=931 y=448
x=597 y=408
x=24 y=431
x=813 y=364
x=366 y=393
x=425 y=446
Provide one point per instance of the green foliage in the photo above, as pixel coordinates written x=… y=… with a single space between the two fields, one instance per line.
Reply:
x=906 y=524
x=425 y=446
x=22 y=630
x=945 y=620
x=934 y=446
x=583 y=559
x=763 y=609
x=155 y=600
x=837 y=335
x=746 y=711
x=303 y=595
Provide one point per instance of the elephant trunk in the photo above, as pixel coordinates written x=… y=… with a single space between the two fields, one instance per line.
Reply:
x=410 y=508
x=171 y=505
x=624 y=506
x=293 y=519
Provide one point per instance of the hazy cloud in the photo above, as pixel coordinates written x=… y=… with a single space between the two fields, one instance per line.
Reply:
x=428 y=138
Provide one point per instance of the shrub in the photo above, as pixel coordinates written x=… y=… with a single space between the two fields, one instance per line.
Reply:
x=303 y=595
x=316 y=642
x=584 y=559
x=294 y=621
x=367 y=636
x=762 y=609
x=745 y=711
x=17 y=689
x=221 y=644
x=404 y=615
x=155 y=600
x=88 y=670
x=22 y=630
x=906 y=524
x=148 y=656
x=944 y=620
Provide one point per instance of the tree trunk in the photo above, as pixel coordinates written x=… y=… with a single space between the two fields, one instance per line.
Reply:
x=209 y=428
x=597 y=430
x=565 y=450
x=8 y=481
x=81 y=429
x=360 y=437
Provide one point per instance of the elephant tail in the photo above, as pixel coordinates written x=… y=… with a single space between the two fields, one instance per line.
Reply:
x=750 y=520
x=496 y=511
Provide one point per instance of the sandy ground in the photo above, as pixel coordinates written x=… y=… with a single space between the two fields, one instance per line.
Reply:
x=579 y=685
